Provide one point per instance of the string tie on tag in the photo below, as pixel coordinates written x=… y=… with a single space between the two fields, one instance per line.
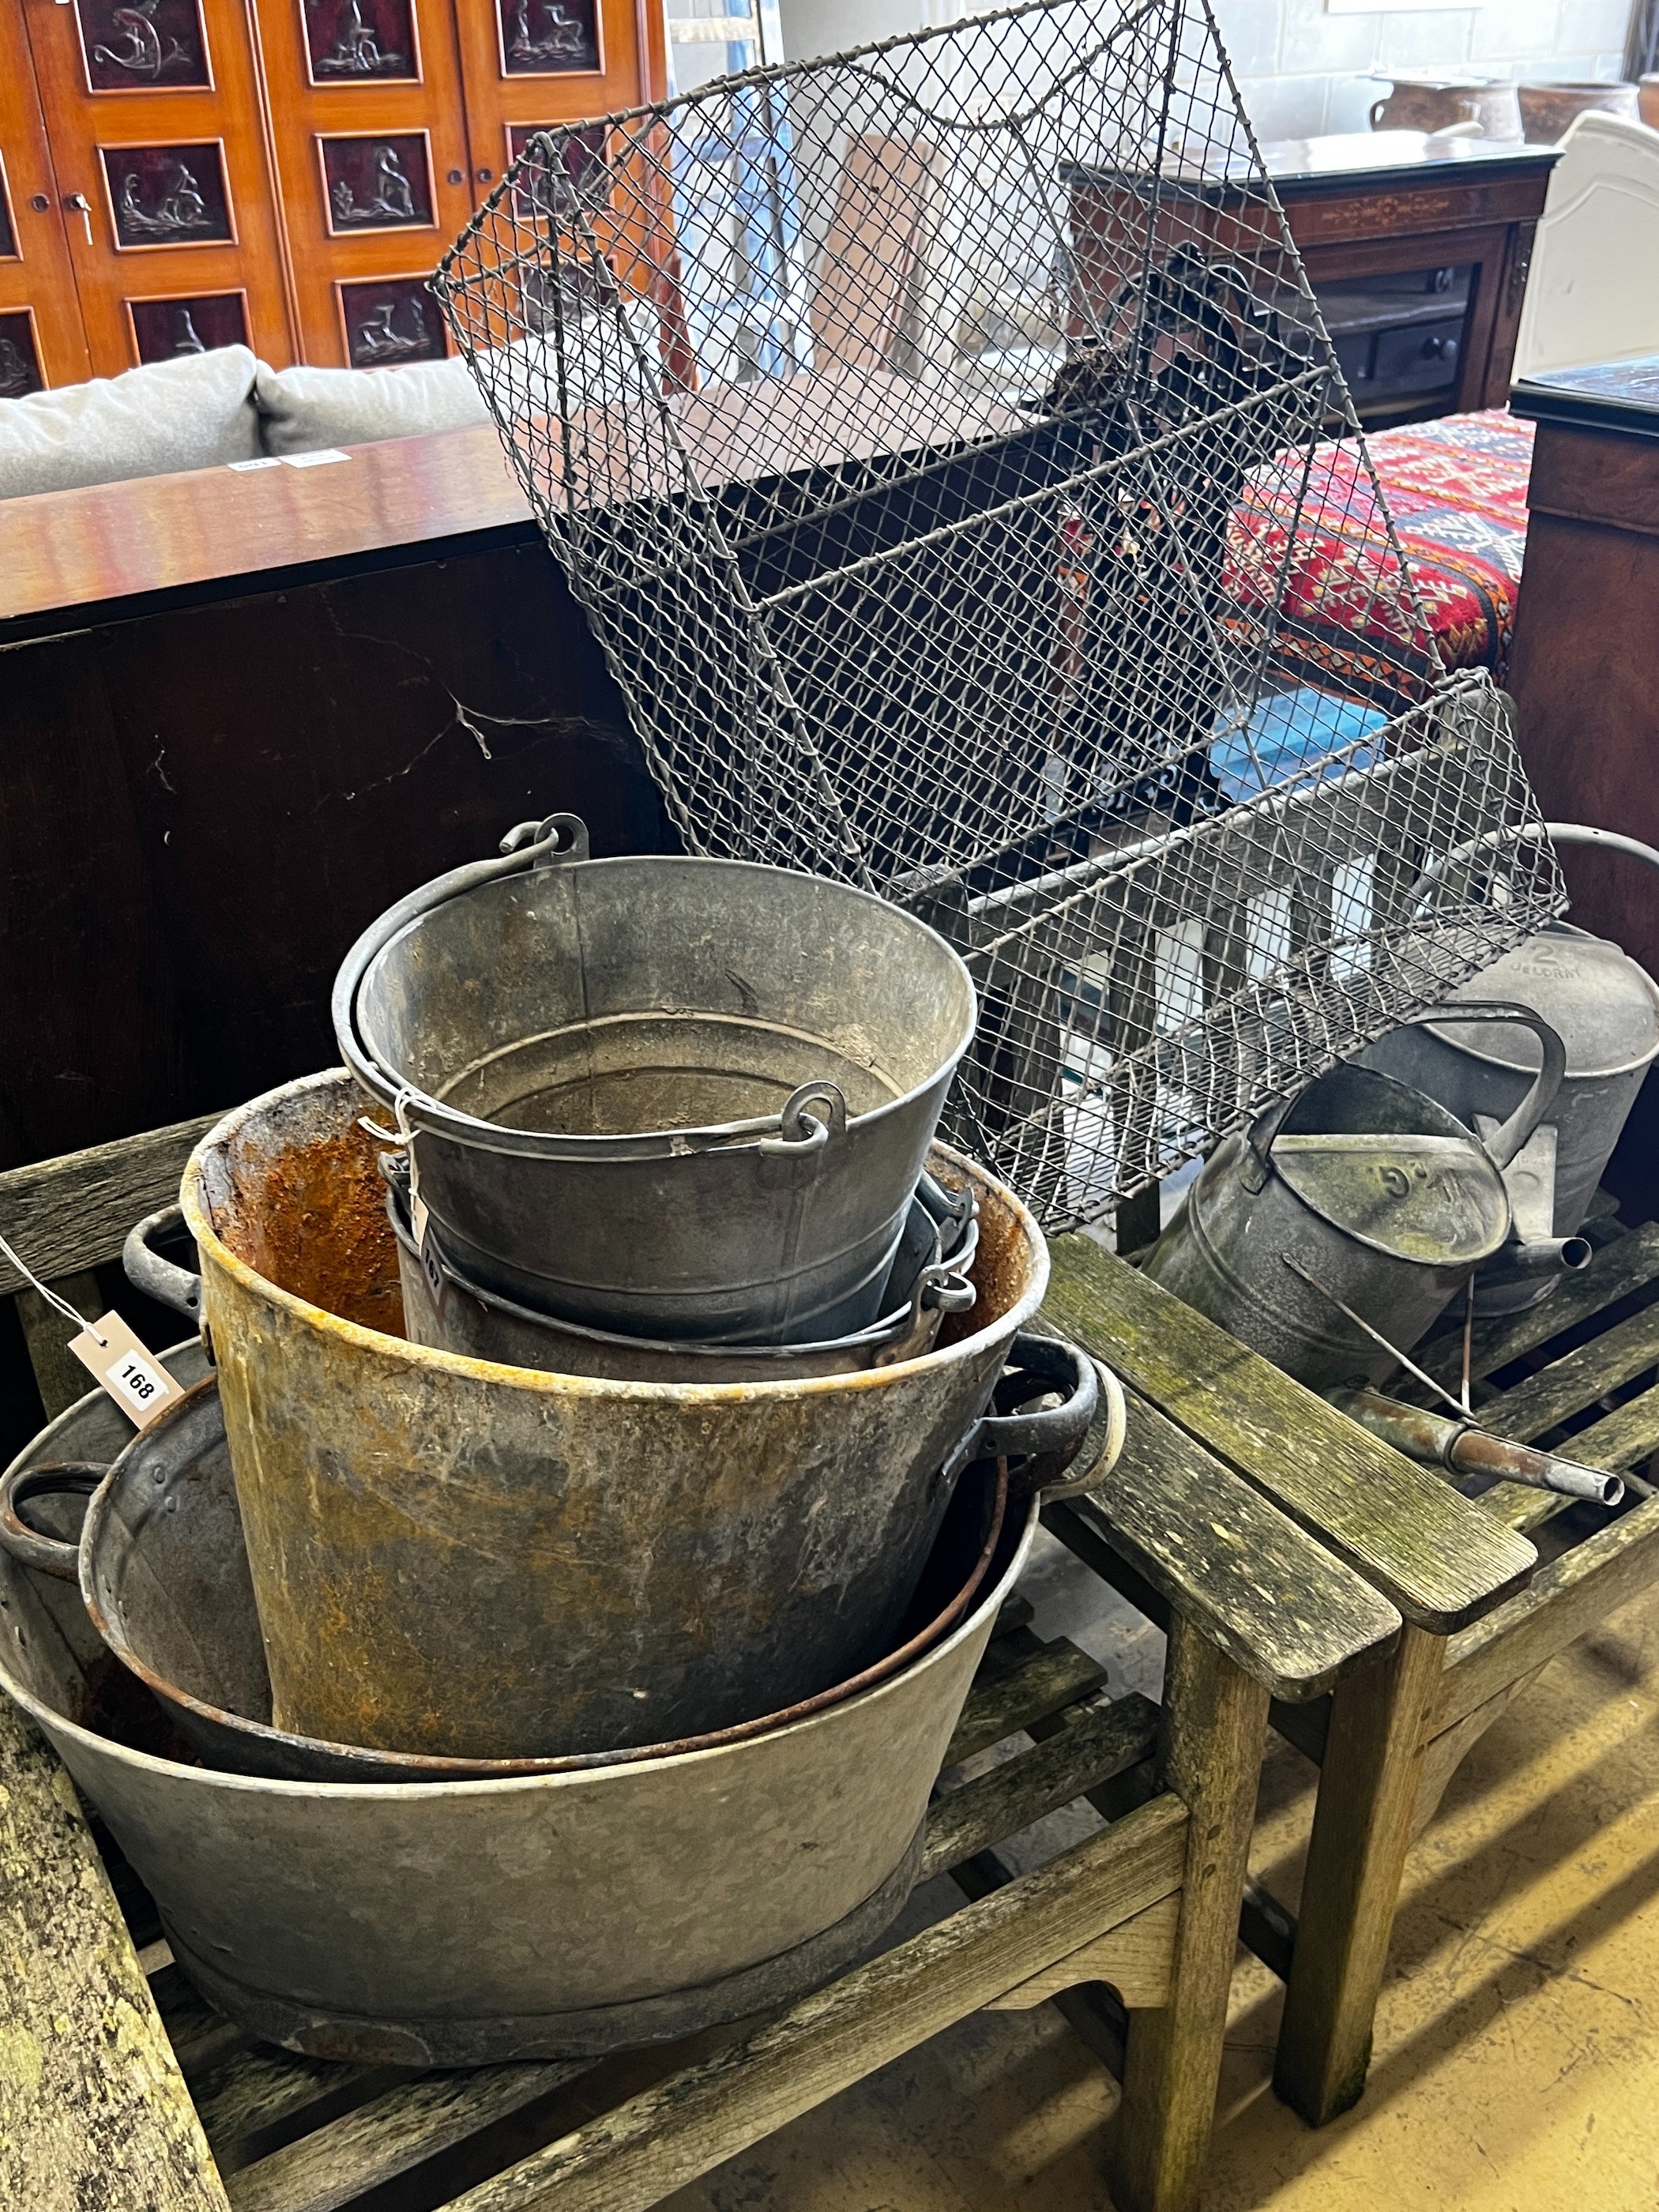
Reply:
x=58 y=1304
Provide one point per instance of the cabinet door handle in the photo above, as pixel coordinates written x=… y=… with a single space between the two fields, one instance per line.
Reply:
x=82 y=207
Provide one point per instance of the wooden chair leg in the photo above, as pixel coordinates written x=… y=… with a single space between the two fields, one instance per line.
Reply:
x=1361 y=1829
x=1215 y=1723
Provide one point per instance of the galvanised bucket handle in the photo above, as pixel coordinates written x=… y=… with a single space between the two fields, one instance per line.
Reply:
x=1050 y=1438
x=527 y=845
x=159 y=1278
x=1504 y=1144
x=58 y=1556
x=800 y=1132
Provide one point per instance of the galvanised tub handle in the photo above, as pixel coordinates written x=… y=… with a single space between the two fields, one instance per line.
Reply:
x=1051 y=1437
x=159 y=1278
x=58 y=1556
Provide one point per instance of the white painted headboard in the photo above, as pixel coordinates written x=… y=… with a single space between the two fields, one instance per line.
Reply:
x=1593 y=295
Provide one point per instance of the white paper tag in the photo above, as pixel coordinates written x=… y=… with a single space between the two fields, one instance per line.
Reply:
x=241 y=468
x=316 y=461
x=128 y=1370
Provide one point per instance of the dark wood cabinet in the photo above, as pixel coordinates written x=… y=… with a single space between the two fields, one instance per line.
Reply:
x=1417 y=252
x=180 y=174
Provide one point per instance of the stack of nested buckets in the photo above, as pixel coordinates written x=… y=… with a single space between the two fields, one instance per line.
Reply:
x=621 y=1428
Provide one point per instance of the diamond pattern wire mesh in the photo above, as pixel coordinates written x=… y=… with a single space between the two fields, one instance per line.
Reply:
x=937 y=437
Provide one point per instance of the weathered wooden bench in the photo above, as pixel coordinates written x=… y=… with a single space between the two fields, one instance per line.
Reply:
x=119 y=2078
x=1481 y=1616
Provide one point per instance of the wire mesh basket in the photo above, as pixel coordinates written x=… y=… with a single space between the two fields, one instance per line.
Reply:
x=939 y=440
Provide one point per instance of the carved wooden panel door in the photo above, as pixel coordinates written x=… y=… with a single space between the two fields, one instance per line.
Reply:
x=375 y=166
x=42 y=338
x=159 y=146
x=529 y=63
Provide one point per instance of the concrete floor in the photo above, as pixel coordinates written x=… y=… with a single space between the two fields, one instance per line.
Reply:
x=1518 y=2043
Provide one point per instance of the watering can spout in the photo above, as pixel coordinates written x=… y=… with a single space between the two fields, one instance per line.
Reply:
x=1546 y=1256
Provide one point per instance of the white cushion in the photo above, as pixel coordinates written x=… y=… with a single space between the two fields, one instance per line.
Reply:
x=304 y=410
x=193 y=413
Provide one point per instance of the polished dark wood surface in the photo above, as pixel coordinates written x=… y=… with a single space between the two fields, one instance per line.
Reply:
x=221 y=770
x=1585 y=670
x=1585 y=676
x=120 y=548
x=1614 y=395
x=1398 y=157
x=1375 y=204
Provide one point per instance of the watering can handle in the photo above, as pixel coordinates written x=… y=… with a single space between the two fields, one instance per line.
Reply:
x=1559 y=833
x=1502 y=1145
x=160 y=1278
x=58 y=1556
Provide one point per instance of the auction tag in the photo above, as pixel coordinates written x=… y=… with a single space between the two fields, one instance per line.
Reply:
x=128 y=1370
x=420 y=1222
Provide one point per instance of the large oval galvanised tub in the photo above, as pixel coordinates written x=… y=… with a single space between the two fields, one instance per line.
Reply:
x=552 y=1915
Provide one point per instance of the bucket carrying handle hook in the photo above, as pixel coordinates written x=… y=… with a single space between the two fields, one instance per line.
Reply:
x=58 y=1556
x=527 y=845
x=800 y=1132
x=545 y=841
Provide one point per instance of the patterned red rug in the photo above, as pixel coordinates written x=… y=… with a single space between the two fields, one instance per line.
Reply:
x=1457 y=491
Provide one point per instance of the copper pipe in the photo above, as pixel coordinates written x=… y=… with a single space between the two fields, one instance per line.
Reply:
x=1465 y=1449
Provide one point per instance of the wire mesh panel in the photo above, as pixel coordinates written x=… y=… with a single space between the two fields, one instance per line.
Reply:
x=938 y=439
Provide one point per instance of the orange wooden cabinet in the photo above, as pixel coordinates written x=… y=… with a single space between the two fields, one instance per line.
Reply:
x=42 y=340
x=180 y=174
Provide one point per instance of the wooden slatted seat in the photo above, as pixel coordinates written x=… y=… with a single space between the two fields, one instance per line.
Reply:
x=1131 y=1931
x=1481 y=1616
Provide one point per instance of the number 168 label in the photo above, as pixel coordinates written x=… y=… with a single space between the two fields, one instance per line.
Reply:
x=135 y=1379
x=128 y=1370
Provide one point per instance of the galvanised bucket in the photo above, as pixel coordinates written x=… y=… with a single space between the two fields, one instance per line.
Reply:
x=457 y=1924
x=660 y=1096
x=455 y=1556
x=465 y=1317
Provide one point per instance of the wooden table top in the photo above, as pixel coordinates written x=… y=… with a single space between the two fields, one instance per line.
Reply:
x=1612 y=395
x=1346 y=160
x=1368 y=157
x=110 y=551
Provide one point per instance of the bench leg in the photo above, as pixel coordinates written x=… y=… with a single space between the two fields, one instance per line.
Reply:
x=1215 y=1722
x=1361 y=1829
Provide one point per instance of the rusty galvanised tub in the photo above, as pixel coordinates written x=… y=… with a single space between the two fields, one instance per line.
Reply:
x=455 y=1556
x=459 y=1924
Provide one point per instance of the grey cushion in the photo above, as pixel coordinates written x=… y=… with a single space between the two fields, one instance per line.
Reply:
x=305 y=408
x=193 y=413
